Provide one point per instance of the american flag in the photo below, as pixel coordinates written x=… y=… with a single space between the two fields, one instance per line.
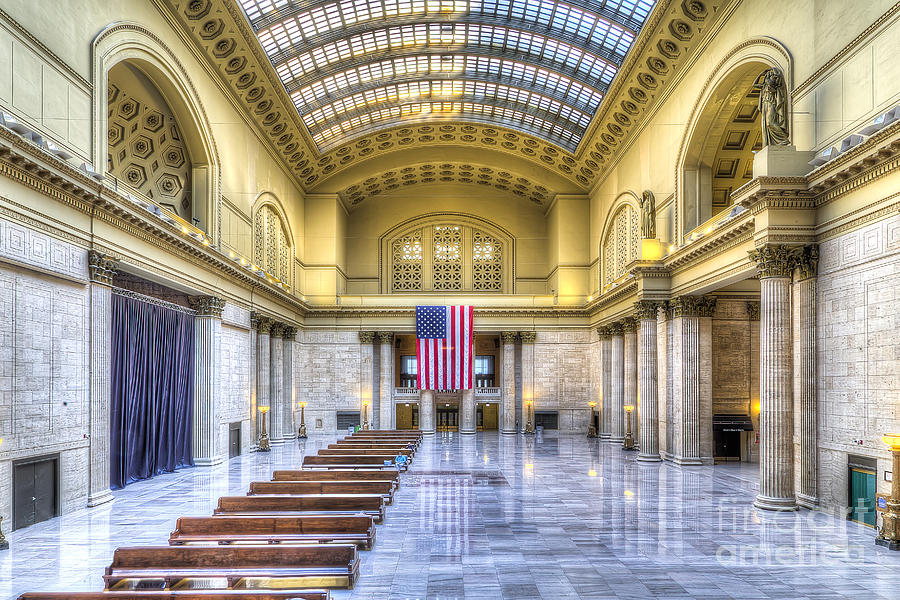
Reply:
x=444 y=347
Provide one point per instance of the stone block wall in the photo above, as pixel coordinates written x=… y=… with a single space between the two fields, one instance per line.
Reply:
x=328 y=367
x=858 y=309
x=562 y=376
x=237 y=364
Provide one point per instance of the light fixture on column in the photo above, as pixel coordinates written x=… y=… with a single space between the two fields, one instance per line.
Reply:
x=301 y=433
x=263 y=445
x=628 y=442
x=889 y=536
x=529 y=414
x=592 y=430
x=365 y=406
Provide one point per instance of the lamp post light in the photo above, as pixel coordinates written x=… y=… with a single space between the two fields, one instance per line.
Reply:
x=301 y=433
x=529 y=413
x=263 y=445
x=889 y=536
x=628 y=442
x=592 y=429
x=365 y=406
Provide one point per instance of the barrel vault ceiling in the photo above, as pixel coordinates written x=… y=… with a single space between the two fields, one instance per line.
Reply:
x=351 y=92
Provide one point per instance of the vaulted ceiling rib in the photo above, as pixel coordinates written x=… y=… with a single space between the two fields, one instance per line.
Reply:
x=355 y=66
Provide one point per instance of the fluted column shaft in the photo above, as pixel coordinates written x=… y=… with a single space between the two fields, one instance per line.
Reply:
x=605 y=384
x=630 y=377
x=805 y=389
x=648 y=383
x=386 y=379
x=617 y=386
x=207 y=377
x=776 y=463
x=288 y=428
x=276 y=385
x=102 y=270
x=527 y=338
x=508 y=391
x=263 y=376
x=366 y=378
x=426 y=411
x=467 y=423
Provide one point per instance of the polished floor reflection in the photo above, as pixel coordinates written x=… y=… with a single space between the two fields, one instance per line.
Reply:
x=512 y=517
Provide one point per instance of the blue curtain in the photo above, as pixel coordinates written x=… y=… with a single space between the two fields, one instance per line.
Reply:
x=152 y=380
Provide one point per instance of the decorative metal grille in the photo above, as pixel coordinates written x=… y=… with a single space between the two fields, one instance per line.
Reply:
x=621 y=245
x=487 y=262
x=271 y=250
x=447 y=262
x=407 y=257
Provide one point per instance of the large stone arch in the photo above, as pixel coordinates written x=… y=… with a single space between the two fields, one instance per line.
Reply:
x=132 y=43
x=717 y=104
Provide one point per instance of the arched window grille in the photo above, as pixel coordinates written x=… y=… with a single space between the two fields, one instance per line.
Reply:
x=271 y=249
x=622 y=244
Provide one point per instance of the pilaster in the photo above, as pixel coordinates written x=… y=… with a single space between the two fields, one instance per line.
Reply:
x=508 y=381
x=805 y=390
x=102 y=269
x=263 y=327
x=527 y=378
x=367 y=376
x=776 y=464
x=648 y=385
x=207 y=378
x=630 y=374
x=276 y=384
x=288 y=335
x=386 y=380
x=605 y=384
x=617 y=383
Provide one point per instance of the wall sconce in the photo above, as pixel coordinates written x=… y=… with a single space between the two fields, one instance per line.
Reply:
x=628 y=442
x=263 y=445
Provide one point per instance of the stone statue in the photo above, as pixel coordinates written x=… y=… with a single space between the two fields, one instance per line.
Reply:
x=773 y=112
x=648 y=215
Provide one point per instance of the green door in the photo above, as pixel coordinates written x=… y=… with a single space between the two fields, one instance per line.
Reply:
x=862 y=496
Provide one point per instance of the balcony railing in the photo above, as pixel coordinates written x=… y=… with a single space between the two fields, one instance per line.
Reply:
x=481 y=392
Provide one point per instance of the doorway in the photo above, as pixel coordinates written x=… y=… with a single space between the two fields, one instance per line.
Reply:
x=407 y=415
x=862 y=495
x=35 y=496
x=486 y=416
x=447 y=416
x=234 y=439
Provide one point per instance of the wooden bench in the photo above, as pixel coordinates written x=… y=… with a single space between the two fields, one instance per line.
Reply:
x=339 y=475
x=348 y=462
x=199 y=594
x=394 y=449
x=282 y=567
x=383 y=440
x=365 y=452
x=268 y=488
x=319 y=504
x=318 y=529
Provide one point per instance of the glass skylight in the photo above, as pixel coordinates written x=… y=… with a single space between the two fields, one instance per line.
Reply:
x=541 y=66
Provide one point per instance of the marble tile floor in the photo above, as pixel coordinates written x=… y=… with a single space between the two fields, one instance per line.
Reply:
x=490 y=517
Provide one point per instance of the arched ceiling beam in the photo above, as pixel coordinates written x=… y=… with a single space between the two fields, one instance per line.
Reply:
x=460 y=89
x=588 y=12
x=321 y=90
x=604 y=51
x=299 y=60
x=571 y=72
x=522 y=118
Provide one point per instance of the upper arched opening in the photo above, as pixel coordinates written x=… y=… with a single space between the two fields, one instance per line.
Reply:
x=353 y=67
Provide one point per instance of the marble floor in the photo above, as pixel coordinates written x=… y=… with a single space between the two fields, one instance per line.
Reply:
x=553 y=516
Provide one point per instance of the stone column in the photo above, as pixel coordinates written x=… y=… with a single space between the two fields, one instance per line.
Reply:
x=386 y=379
x=648 y=382
x=276 y=384
x=102 y=270
x=508 y=384
x=288 y=428
x=263 y=326
x=806 y=260
x=207 y=377
x=426 y=412
x=605 y=385
x=467 y=425
x=527 y=379
x=617 y=384
x=630 y=377
x=366 y=377
x=664 y=362
x=776 y=461
x=690 y=390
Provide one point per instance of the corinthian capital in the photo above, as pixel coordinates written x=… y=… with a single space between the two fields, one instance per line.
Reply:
x=806 y=259
x=102 y=268
x=366 y=337
x=646 y=309
x=207 y=306
x=773 y=260
x=509 y=337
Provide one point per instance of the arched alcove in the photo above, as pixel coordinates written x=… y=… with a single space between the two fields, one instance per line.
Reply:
x=154 y=135
x=273 y=242
x=620 y=242
x=723 y=133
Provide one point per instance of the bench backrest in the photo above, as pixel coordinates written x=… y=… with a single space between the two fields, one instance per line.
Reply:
x=217 y=557
x=335 y=502
x=262 y=525
x=321 y=487
x=337 y=475
x=357 y=459
x=199 y=594
x=363 y=452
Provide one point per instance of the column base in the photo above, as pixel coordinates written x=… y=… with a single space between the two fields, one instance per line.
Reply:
x=604 y=436
x=779 y=504
x=209 y=461
x=649 y=458
x=810 y=502
x=616 y=439
x=100 y=498
x=686 y=461
x=464 y=432
x=276 y=441
x=426 y=432
x=508 y=432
